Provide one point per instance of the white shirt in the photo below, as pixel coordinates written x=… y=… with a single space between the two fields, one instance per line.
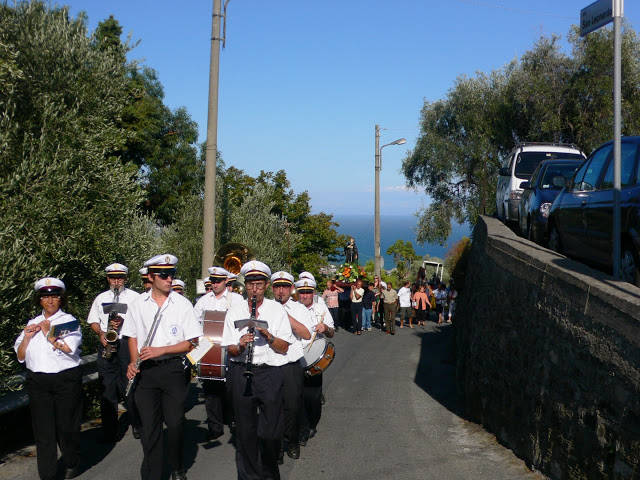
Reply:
x=177 y=322
x=271 y=312
x=300 y=313
x=209 y=301
x=97 y=315
x=404 y=295
x=358 y=291
x=41 y=356
x=320 y=314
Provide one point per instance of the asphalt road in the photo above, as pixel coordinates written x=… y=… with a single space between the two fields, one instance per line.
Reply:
x=390 y=412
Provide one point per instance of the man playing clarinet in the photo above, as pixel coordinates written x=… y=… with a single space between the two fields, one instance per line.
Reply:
x=256 y=374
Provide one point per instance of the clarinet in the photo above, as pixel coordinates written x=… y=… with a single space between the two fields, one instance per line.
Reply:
x=147 y=342
x=249 y=370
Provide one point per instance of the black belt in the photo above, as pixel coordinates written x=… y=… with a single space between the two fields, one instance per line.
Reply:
x=254 y=365
x=162 y=361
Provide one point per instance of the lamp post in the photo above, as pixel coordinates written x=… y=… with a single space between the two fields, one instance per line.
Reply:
x=378 y=167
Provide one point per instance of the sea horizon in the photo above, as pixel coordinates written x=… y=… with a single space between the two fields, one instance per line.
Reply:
x=393 y=228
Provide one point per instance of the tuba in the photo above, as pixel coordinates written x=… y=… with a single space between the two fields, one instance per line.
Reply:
x=231 y=256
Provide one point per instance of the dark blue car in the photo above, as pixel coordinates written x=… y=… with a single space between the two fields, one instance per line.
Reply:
x=539 y=193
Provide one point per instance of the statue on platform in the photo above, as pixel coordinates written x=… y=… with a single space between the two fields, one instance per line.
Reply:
x=351 y=252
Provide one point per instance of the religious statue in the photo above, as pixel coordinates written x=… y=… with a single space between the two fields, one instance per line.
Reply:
x=351 y=252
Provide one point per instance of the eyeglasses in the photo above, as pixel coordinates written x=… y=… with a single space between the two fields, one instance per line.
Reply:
x=255 y=285
x=117 y=277
x=166 y=274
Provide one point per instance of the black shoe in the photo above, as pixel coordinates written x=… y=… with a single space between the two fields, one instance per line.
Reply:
x=178 y=475
x=294 y=452
x=136 y=432
x=304 y=436
x=72 y=472
x=312 y=433
x=211 y=436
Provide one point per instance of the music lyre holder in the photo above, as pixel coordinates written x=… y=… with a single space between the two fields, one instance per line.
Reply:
x=108 y=308
x=248 y=322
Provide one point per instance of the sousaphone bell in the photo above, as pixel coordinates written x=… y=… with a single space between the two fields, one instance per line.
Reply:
x=231 y=256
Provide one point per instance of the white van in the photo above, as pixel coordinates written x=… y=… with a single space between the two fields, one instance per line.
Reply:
x=517 y=168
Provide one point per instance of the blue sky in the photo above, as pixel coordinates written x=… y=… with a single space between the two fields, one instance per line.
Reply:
x=303 y=82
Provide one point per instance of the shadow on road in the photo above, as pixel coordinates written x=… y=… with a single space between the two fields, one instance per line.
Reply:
x=436 y=372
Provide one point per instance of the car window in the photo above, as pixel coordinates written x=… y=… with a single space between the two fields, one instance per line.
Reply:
x=593 y=169
x=528 y=161
x=627 y=165
x=536 y=174
x=564 y=170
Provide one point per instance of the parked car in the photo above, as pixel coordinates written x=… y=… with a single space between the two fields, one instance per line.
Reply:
x=518 y=167
x=549 y=177
x=580 y=221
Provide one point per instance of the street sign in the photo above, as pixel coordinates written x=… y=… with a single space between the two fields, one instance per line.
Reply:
x=595 y=16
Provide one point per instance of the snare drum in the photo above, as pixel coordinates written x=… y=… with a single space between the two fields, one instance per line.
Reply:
x=317 y=357
x=213 y=366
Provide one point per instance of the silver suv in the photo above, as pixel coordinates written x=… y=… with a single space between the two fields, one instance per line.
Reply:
x=518 y=167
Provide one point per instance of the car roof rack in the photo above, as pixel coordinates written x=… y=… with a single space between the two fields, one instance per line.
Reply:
x=547 y=144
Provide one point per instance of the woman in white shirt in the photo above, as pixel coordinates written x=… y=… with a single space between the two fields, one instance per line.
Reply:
x=50 y=347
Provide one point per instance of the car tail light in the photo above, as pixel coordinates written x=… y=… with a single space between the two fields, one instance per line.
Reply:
x=544 y=209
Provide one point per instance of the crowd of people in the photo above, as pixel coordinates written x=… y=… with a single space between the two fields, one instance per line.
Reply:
x=266 y=396
x=358 y=307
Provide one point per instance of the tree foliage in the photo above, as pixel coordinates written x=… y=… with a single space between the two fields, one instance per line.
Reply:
x=546 y=95
x=404 y=257
x=69 y=207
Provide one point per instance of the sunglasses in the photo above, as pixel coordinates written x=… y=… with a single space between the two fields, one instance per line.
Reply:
x=166 y=274
x=217 y=280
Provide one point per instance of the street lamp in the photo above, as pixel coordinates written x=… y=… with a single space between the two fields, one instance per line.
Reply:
x=378 y=167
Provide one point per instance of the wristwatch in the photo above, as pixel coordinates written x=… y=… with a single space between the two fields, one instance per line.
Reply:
x=271 y=339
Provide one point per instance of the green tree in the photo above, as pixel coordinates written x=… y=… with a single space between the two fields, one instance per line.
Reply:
x=404 y=257
x=544 y=96
x=69 y=207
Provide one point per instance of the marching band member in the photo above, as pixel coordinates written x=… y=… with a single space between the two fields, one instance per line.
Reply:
x=162 y=384
x=215 y=390
x=146 y=283
x=208 y=286
x=258 y=437
x=54 y=381
x=113 y=356
x=301 y=324
x=323 y=326
x=177 y=286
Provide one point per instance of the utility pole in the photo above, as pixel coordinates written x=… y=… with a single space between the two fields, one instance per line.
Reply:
x=209 y=210
x=376 y=262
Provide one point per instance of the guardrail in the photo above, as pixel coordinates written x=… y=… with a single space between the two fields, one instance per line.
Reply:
x=14 y=400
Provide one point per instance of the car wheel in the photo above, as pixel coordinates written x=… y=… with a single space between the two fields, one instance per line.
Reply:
x=629 y=266
x=554 y=240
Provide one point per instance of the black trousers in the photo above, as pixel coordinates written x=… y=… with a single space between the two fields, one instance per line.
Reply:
x=215 y=393
x=312 y=403
x=335 y=315
x=258 y=436
x=293 y=374
x=160 y=395
x=356 y=315
x=55 y=400
x=113 y=377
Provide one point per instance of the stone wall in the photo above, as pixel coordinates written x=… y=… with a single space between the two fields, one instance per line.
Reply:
x=548 y=357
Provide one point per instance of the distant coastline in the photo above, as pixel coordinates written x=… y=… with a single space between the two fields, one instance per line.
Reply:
x=392 y=228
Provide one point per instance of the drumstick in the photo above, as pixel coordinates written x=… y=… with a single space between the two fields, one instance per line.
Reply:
x=313 y=338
